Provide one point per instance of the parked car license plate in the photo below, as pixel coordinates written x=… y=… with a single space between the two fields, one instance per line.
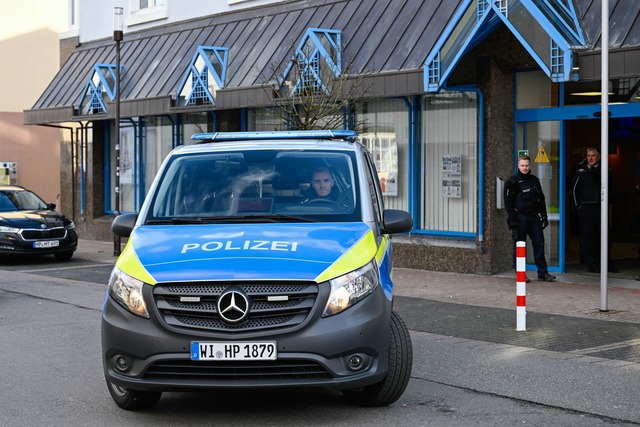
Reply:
x=46 y=244
x=234 y=350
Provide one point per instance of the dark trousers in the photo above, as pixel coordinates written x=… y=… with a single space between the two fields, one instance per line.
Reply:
x=589 y=218
x=530 y=225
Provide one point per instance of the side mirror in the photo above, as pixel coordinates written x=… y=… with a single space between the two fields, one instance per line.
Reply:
x=51 y=206
x=122 y=225
x=396 y=221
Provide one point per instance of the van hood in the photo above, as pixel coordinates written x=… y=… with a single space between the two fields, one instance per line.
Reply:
x=184 y=253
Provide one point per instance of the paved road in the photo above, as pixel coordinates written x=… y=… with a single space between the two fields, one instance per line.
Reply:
x=572 y=355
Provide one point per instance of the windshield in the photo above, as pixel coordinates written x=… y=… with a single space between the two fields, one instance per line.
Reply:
x=21 y=200
x=273 y=185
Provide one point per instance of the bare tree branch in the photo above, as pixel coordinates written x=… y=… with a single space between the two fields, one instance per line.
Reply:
x=312 y=96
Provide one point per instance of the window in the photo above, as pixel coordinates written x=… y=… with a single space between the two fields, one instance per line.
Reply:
x=374 y=189
x=263 y=120
x=137 y=5
x=260 y=182
x=143 y=147
x=535 y=90
x=195 y=123
x=158 y=144
x=449 y=178
x=385 y=132
x=128 y=172
x=73 y=14
x=142 y=11
x=621 y=91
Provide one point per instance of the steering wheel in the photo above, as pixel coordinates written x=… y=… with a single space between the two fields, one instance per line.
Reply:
x=324 y=201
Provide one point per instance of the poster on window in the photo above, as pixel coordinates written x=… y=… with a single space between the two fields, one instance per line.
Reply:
x=451 y=176
x=384 y=148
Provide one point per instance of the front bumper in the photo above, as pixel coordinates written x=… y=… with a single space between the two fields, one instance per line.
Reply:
x=14 y=244
x=315 y=354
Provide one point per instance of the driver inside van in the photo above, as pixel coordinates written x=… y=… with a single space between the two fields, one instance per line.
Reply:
x=322 y=183
x=323 y=187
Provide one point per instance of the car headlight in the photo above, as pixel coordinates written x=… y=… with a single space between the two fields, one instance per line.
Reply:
x=4 y=229
x=71 y=226
x=127 y=291
x=351 y=288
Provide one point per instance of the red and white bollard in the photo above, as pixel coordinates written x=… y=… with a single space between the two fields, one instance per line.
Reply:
x=521 y=286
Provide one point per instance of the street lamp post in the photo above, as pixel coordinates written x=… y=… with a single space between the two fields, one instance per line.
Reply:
x=117 y=37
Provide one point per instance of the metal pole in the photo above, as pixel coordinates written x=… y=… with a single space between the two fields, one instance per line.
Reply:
x=117 y=36
x=604 y=159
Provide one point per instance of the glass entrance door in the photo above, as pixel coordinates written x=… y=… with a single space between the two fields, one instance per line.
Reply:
x=541 y=141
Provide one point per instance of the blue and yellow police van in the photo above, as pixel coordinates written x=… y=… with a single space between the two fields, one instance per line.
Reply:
x=258 y=260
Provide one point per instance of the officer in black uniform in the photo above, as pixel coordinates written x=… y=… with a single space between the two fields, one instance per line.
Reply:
x=585 y=197
x=527 y=213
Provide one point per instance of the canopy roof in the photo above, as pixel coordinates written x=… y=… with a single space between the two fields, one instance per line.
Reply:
x=252 y=44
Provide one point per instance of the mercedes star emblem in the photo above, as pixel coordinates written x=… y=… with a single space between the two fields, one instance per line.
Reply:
x=233 y=305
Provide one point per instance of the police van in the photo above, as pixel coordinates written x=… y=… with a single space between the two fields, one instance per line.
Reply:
x=258 y=260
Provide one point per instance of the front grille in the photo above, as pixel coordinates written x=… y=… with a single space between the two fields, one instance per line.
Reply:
x=47 y=233
x=291 y=307
x=245 y=370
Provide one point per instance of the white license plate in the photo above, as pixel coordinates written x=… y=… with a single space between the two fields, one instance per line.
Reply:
x=46 y=244
x=234 y=350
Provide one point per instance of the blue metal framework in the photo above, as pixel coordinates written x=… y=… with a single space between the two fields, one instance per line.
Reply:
x=318 y=50
x=206 y=74
x=101 y=81
x=548 y=29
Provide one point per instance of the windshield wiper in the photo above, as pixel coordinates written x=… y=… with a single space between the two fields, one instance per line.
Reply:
x=231 y=219
x=175 y=221
x=281 y=217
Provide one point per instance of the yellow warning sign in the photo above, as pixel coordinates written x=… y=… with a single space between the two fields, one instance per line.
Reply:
x=541 y=157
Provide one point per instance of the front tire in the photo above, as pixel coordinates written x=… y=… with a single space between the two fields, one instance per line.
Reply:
x=132 y=400
x=395 y=382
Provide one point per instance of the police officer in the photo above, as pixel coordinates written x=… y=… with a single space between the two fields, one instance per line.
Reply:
x=585 y=196
x=527 y=213
x=323 y=186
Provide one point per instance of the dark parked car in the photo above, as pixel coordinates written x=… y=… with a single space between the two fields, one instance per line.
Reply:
x=29 y=226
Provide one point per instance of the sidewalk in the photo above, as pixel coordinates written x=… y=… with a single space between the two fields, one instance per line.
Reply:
x=562 y=297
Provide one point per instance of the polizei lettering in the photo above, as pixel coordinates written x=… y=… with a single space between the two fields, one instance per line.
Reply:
x=243 y=245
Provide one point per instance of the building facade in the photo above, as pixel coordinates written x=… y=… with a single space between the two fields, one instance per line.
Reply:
x=29 y=47
x=445 y=95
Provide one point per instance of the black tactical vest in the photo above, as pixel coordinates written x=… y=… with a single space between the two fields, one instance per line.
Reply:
x=528 y=196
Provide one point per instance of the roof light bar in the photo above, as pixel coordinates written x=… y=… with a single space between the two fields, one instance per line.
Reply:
x=252 y=136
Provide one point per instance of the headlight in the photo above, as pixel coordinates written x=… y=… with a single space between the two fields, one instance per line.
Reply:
x=9 y=229
x=127 y=291
x=349 y=289
x=70 y=226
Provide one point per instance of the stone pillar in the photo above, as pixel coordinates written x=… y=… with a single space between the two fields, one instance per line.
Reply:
x=496 y=83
